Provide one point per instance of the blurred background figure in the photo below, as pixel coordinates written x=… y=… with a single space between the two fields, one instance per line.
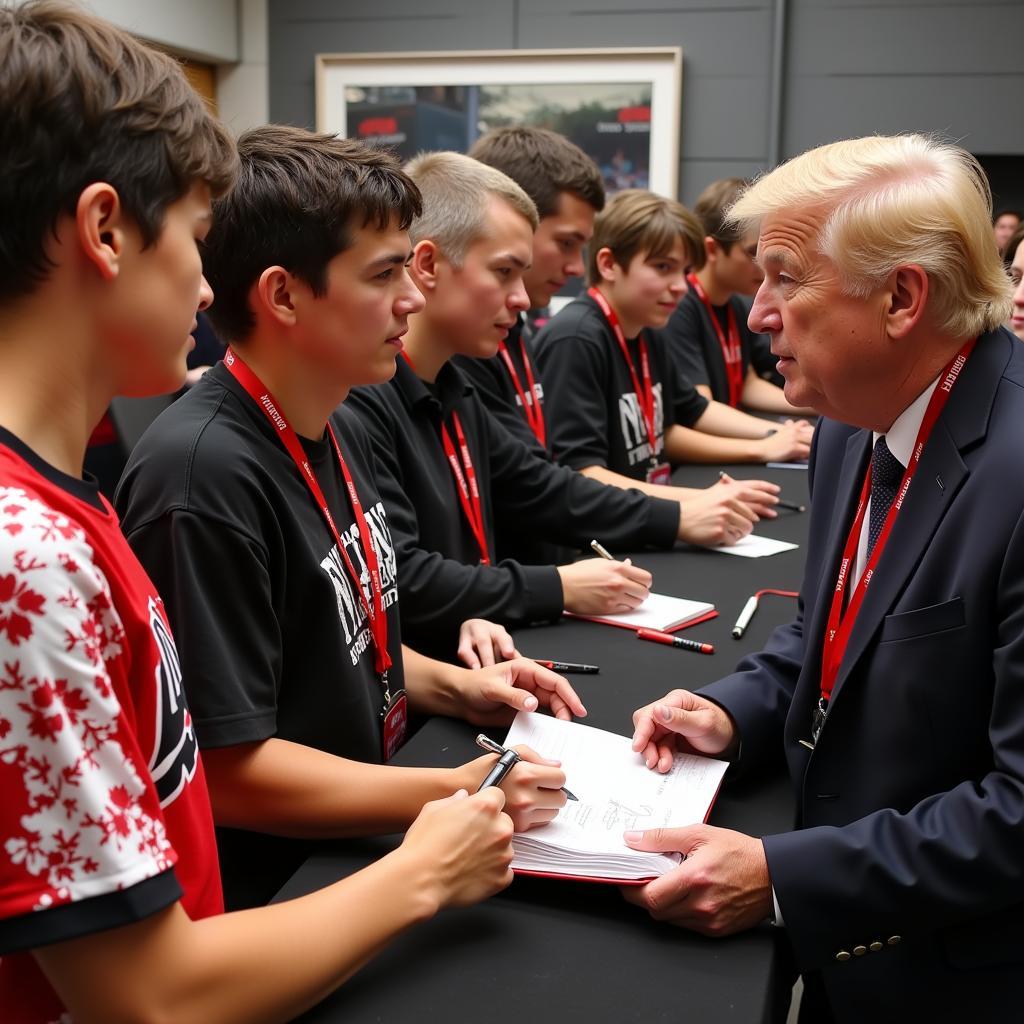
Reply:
x=1014 y=256
x=1004 y=224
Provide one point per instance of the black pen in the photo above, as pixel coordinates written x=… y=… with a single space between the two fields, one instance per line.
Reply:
x=504 y=765
x=791 y=505
x=567 y=666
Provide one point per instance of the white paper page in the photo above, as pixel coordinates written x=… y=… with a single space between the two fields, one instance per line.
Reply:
x=659 y=611
x=616 y=791
x=753 y=546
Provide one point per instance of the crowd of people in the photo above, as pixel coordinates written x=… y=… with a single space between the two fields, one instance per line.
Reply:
x=332 y=532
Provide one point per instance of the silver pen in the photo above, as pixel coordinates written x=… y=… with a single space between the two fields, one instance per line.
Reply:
x=486 y=743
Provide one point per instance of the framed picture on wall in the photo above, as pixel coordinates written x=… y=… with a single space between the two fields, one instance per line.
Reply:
x=621 y=106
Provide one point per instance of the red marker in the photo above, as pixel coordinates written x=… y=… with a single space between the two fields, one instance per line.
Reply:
x=675 y=641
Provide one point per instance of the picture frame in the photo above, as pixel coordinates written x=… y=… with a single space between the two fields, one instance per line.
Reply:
x=622 y=106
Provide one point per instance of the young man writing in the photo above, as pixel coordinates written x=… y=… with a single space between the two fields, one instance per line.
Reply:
x=281 y=581
x=567 y=189
x=707 y=334
x=109 y=891
x=616 y=409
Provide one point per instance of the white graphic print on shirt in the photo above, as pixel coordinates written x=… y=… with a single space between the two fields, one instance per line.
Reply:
x=634 y=430
x=351 y=610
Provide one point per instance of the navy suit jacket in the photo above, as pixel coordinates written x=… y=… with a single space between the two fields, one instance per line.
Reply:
x=908 y=855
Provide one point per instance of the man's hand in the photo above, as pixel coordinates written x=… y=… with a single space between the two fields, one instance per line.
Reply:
x=722 y=886
x=483 y=643
x=715 y=516
x=681 y=722
x=493 y=695
x=790 y=443
x=598 y=586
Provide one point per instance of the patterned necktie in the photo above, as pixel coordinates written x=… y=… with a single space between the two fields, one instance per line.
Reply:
x=886 y=474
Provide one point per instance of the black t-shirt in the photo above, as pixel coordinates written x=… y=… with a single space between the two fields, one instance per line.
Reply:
x=696 y=352
x=443 y=582
x=274 y=641
x=592 y=410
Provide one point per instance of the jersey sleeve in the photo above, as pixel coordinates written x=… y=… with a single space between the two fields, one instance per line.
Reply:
x=83 y=844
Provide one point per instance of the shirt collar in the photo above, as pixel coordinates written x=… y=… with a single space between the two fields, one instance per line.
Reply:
x=902 y=435
x=451 y=386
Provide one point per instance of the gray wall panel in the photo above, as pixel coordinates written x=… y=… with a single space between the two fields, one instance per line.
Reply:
x=851 y=66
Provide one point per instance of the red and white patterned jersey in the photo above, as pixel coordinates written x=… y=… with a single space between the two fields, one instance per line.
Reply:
x=102 y=791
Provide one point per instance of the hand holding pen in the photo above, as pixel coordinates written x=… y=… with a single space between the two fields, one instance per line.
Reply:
x=507 y=760
x=603 y=586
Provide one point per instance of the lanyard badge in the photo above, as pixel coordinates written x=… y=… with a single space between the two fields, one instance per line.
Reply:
x=393 y=713
x=532 y=409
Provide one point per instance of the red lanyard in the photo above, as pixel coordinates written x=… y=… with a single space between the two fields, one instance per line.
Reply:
x=465 y=479
x=645 y=398
x=840 y=623
x=732 y=351
x=531 y=407
x=375 y=613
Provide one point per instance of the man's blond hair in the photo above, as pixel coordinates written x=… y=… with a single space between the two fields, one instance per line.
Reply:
x=637 y=222
x=456 y=192
x=893 y=200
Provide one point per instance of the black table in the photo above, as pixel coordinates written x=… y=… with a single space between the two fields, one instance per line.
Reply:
x=546 y=950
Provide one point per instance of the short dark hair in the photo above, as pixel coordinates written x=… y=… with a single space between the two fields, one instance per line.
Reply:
x=82 y=101
x=1007 y=213
x=543 y=163
x=712 y=207
x=638 y=222
x=296 y=201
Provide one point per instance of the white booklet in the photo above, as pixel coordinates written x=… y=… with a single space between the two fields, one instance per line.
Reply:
x=658 y=611
x=616 y=792
x=753 y=546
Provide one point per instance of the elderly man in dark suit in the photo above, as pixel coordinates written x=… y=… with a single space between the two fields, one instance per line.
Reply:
x=897 y=694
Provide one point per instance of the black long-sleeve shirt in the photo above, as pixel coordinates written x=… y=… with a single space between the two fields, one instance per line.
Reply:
x=441 y=580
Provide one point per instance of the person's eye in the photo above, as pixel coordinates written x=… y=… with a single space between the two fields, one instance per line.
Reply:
x=504 y=272
x=385 y=275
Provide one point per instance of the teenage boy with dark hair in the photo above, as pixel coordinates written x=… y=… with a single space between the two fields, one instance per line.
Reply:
x=288 y=619
x=567 y=188
x=613 y=394
x=707 y=334
x=109 y=891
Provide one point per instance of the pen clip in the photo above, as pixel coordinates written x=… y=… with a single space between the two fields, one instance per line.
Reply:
x=486 y=743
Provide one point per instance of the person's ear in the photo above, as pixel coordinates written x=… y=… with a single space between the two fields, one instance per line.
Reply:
x=907 y=290
x=100 y=224
x=274 y=294
x=606 y=265
x=711 y=249
x=425 y=265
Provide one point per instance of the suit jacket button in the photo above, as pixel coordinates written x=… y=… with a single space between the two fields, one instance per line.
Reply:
x=895 y=940
x=859 y=950
x=842 y=956
x=876 y=946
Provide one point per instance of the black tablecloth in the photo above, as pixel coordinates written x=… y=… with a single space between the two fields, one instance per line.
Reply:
x=546 y=950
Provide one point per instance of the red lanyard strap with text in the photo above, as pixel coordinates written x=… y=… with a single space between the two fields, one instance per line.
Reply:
x=732 y=350
x=532 y=407
x=375 y=613
x=840 y=623
x=469 y=493
x=645 y=398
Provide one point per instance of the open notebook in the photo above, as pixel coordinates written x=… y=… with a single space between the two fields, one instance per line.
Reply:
x=658 y=611
x=616 y=792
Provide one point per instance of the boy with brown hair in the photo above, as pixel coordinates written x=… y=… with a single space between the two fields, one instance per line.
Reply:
x=617 y=411
x=109 y=889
